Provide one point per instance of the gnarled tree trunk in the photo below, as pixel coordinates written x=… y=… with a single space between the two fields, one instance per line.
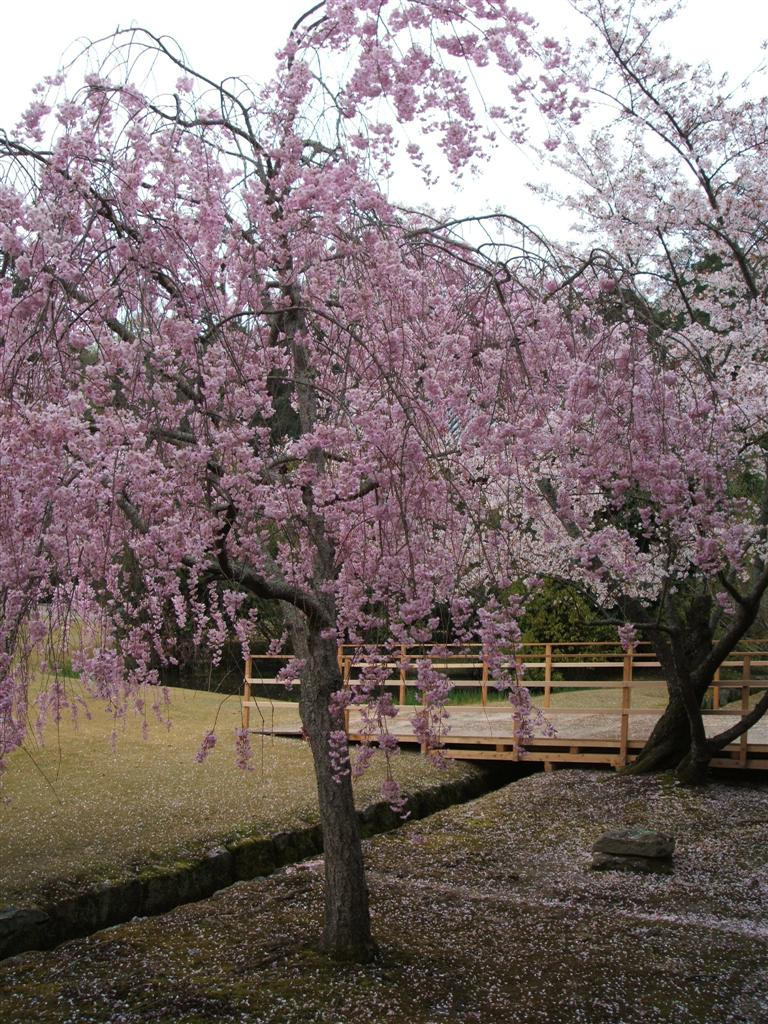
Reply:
x=668 y=743
x=671 y=743
x=347 y=924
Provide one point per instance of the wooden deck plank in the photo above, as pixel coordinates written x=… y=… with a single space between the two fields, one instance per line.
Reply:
x=594 y=735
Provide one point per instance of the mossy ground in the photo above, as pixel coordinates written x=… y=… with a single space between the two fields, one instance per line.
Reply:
x=484 y=913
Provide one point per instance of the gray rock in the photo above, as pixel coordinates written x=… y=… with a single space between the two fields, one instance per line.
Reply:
x=22 y=927
x=643 y=865
x=13 y=918
x=636 y=842
x=219 y=858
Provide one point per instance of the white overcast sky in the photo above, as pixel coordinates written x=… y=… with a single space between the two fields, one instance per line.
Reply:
x=239 y=39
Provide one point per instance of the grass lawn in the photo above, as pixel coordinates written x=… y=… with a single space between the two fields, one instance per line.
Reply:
x=648 y=698
x=76 y=810
x=644 y=697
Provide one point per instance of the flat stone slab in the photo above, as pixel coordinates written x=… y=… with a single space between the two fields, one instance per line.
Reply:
x=644 y=865
x=636 y=842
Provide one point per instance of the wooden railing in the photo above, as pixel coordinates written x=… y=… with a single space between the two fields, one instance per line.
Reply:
x=549 y=667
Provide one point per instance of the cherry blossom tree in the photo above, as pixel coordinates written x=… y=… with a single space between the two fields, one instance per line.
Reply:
x=651 y=415
x=230 y=369
x=27 y=498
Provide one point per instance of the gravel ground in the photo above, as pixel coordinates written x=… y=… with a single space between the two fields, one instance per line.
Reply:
x=497 y=721
x=485 y=913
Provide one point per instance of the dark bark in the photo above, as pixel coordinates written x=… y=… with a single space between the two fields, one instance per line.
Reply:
x=722 y=739
x=668 y=743
x=347 y=923
x=693 y=769
x=689 y=654
x=678 y=740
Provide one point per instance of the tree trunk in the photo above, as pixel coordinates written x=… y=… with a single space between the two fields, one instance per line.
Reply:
x=693 y=769
x=670 y=744
x=347 y=924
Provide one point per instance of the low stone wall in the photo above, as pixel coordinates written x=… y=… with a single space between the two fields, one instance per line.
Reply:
x=157 y=890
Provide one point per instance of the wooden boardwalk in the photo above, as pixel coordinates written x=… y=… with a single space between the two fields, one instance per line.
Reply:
x=601 y=702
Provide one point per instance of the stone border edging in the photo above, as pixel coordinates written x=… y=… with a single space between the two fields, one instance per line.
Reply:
x=155 y=891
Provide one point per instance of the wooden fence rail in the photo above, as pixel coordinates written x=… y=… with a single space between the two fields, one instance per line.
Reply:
x=546 y=669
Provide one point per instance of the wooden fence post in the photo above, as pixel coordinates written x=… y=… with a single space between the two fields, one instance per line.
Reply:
x=245 y=711
x=746 y=668
x=424 y=705
x=484 y=682
x=626 y=701
x=547 y=675
x=746 y=675
x=403 y=691
x=346 y=674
